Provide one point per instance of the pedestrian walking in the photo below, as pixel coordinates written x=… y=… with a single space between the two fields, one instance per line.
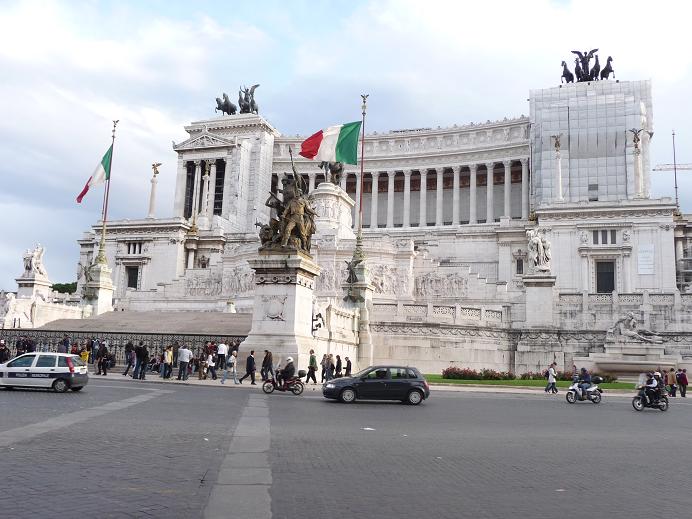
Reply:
x=231 y=366
x=323 y=365
x=184 y=356
x=102 y=359
x=338 y=367
x=312 y=368
x=330 y=367
x=671 y=382
x=4 y=352
x=144 y=363
x=211 y=366
x=221 y=355
x=682 y=381
x=168 y=362
x=138 y=360
x=552 y=379
x=129 y=360
x=250 y=368
x=347 y=373
x=267 y=366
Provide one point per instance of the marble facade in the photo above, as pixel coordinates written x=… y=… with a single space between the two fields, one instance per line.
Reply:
x=445 y=214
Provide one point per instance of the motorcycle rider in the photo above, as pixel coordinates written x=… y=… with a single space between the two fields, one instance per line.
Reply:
x=584 y=382
x=650 y=389
x=287 y=373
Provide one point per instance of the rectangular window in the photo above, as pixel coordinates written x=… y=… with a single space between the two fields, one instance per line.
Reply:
x=593 y=192
x=604 y=237
x=189 y=188
x=613 y=234
x=218 y=188
x=46 y=361
x=520 y=266
x=595 y=237
x=605 y=277
x=132 y=274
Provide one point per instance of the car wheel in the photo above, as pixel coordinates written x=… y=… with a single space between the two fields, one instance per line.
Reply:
x=60 y=385
x=415 y=397
x=347 y=396
x=77 y=388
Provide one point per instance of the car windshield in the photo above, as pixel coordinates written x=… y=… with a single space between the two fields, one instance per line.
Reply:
x=77 y=360
x=362 y=373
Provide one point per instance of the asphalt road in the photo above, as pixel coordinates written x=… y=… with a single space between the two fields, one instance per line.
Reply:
x=127 y=449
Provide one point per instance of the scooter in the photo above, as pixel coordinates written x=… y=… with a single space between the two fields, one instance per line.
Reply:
x=593 y=393
x=294 y=385
x=641 y=401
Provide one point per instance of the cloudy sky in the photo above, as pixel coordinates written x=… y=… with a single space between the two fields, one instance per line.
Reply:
x=69 y=68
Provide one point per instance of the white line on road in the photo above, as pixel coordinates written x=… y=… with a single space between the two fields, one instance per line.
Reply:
x=68 y=419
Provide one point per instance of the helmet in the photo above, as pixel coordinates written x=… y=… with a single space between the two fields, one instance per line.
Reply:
x=657 y=374
x=289 y=359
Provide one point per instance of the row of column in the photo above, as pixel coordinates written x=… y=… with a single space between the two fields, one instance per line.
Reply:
x=456 y=194
x=201 y=207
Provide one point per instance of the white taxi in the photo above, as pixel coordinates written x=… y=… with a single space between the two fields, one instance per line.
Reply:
x=59 y=371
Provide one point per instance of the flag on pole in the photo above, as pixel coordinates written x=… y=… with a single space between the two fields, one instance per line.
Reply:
x=335 y=144
x=100 y=175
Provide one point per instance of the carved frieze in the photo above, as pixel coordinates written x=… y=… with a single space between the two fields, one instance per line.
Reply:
x=437 y=285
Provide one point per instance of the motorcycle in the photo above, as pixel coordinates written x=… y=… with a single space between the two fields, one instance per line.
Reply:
x=294 y=385
x=640 y=401
x=593 y=393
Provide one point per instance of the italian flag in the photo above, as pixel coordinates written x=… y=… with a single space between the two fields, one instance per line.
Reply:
x=335 y=144
x=100 y=175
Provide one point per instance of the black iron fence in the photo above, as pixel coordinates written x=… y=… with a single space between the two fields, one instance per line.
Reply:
x=44 y=340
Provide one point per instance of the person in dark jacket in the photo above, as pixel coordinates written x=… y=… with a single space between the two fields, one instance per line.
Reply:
x=682 y=382
x=267 y=366
x=138 y=360
x=102 y=359
x=4 y=352
x=129 y=352
x=287 y=373
x=338 y=367
x=347 y=373
x=250 y=368
x=144 y=363
x=584 y=381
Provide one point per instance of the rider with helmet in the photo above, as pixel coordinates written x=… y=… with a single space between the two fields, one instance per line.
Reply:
x=651 y=387
x=584 y=382
x=287 y=373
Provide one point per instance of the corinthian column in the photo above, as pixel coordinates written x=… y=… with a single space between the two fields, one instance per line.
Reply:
x=422 y=216
x=489 y=200
x=407 y=198
x=390 y=198
x=212 y=190
x=525 y=189
x=508 y=187
x=473 y=218
x=195 y=191
x=455 y=196
x=439 y=199
x=373 y=199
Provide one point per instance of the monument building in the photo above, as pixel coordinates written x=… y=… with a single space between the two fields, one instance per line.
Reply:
x=506 y=244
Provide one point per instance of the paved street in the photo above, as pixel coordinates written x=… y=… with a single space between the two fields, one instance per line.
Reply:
x=167 y=450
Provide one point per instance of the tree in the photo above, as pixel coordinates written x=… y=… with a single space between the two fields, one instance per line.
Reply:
x=65 y=288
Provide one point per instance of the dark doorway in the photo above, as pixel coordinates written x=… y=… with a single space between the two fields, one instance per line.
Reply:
x=605 y=277
x=132 y=277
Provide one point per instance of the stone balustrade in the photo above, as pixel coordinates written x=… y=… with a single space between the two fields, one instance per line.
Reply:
x=450 y=314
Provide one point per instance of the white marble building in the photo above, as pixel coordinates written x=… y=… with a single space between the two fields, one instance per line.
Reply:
x=445 y=214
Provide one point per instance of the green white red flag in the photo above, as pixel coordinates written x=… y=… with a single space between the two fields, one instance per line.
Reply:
x=100 y=175
x=334 y=144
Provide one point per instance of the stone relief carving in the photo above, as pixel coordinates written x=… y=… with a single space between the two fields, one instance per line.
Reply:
x=434 y=284
x=274 y=307
x=539 y=251
x=239 y=280
x=627 y=329
x=387 y=280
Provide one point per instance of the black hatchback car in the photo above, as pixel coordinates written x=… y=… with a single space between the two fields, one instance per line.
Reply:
x=380 y=383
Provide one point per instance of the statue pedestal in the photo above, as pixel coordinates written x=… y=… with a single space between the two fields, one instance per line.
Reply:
x=98 y=291
x=33 y=284
x=333 y=207
x=360 y=295
x=624 y=355
x=282 y=313
x=540 y=293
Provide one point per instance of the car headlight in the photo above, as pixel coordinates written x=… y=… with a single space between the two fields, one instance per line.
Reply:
x=331 y=386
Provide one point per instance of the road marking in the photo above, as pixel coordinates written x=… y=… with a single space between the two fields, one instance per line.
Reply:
x=125 y=387
x=69 y=419
x=245 y=475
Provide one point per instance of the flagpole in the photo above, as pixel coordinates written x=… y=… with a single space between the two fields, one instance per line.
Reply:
x=101 y=257
x=358 y=252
